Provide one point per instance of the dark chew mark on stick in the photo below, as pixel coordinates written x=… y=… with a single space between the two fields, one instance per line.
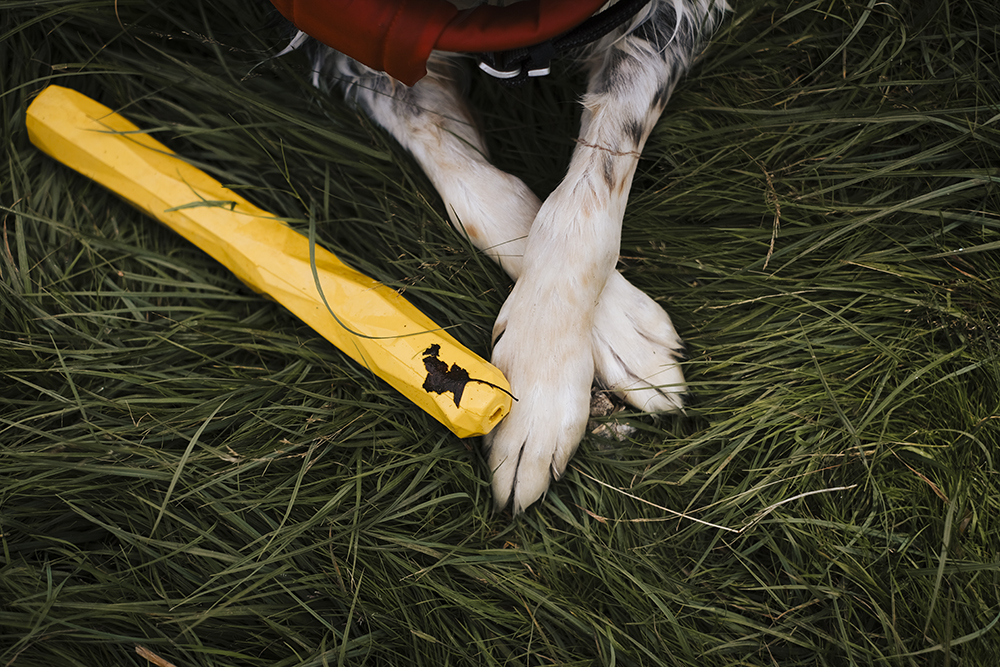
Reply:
x=441 y=379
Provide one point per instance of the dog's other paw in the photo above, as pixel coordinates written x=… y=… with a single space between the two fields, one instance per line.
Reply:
x=549 y=363
x=636 y=348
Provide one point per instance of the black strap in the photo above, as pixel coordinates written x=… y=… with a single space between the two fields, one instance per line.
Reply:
x=516 y=66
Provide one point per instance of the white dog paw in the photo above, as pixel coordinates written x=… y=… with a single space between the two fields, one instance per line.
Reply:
x=550 y=353
x=636 y=348
x=549 y=363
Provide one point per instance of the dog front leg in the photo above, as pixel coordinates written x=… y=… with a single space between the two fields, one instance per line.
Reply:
x=545 y=335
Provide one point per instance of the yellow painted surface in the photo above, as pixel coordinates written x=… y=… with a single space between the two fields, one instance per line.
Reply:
x=374 y=325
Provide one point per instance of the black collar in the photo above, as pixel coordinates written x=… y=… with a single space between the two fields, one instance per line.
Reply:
x=516 y=66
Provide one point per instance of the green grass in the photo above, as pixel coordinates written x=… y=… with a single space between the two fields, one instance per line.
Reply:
x=186 y=468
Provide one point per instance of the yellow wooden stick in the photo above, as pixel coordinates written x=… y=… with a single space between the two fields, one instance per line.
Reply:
x=377 y=327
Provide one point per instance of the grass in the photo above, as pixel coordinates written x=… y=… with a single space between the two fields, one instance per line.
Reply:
x=187 y=469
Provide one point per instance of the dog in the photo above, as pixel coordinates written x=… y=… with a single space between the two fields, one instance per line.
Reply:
x=570 y=318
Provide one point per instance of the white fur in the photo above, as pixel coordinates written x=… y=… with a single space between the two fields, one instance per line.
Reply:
x=570 y=316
